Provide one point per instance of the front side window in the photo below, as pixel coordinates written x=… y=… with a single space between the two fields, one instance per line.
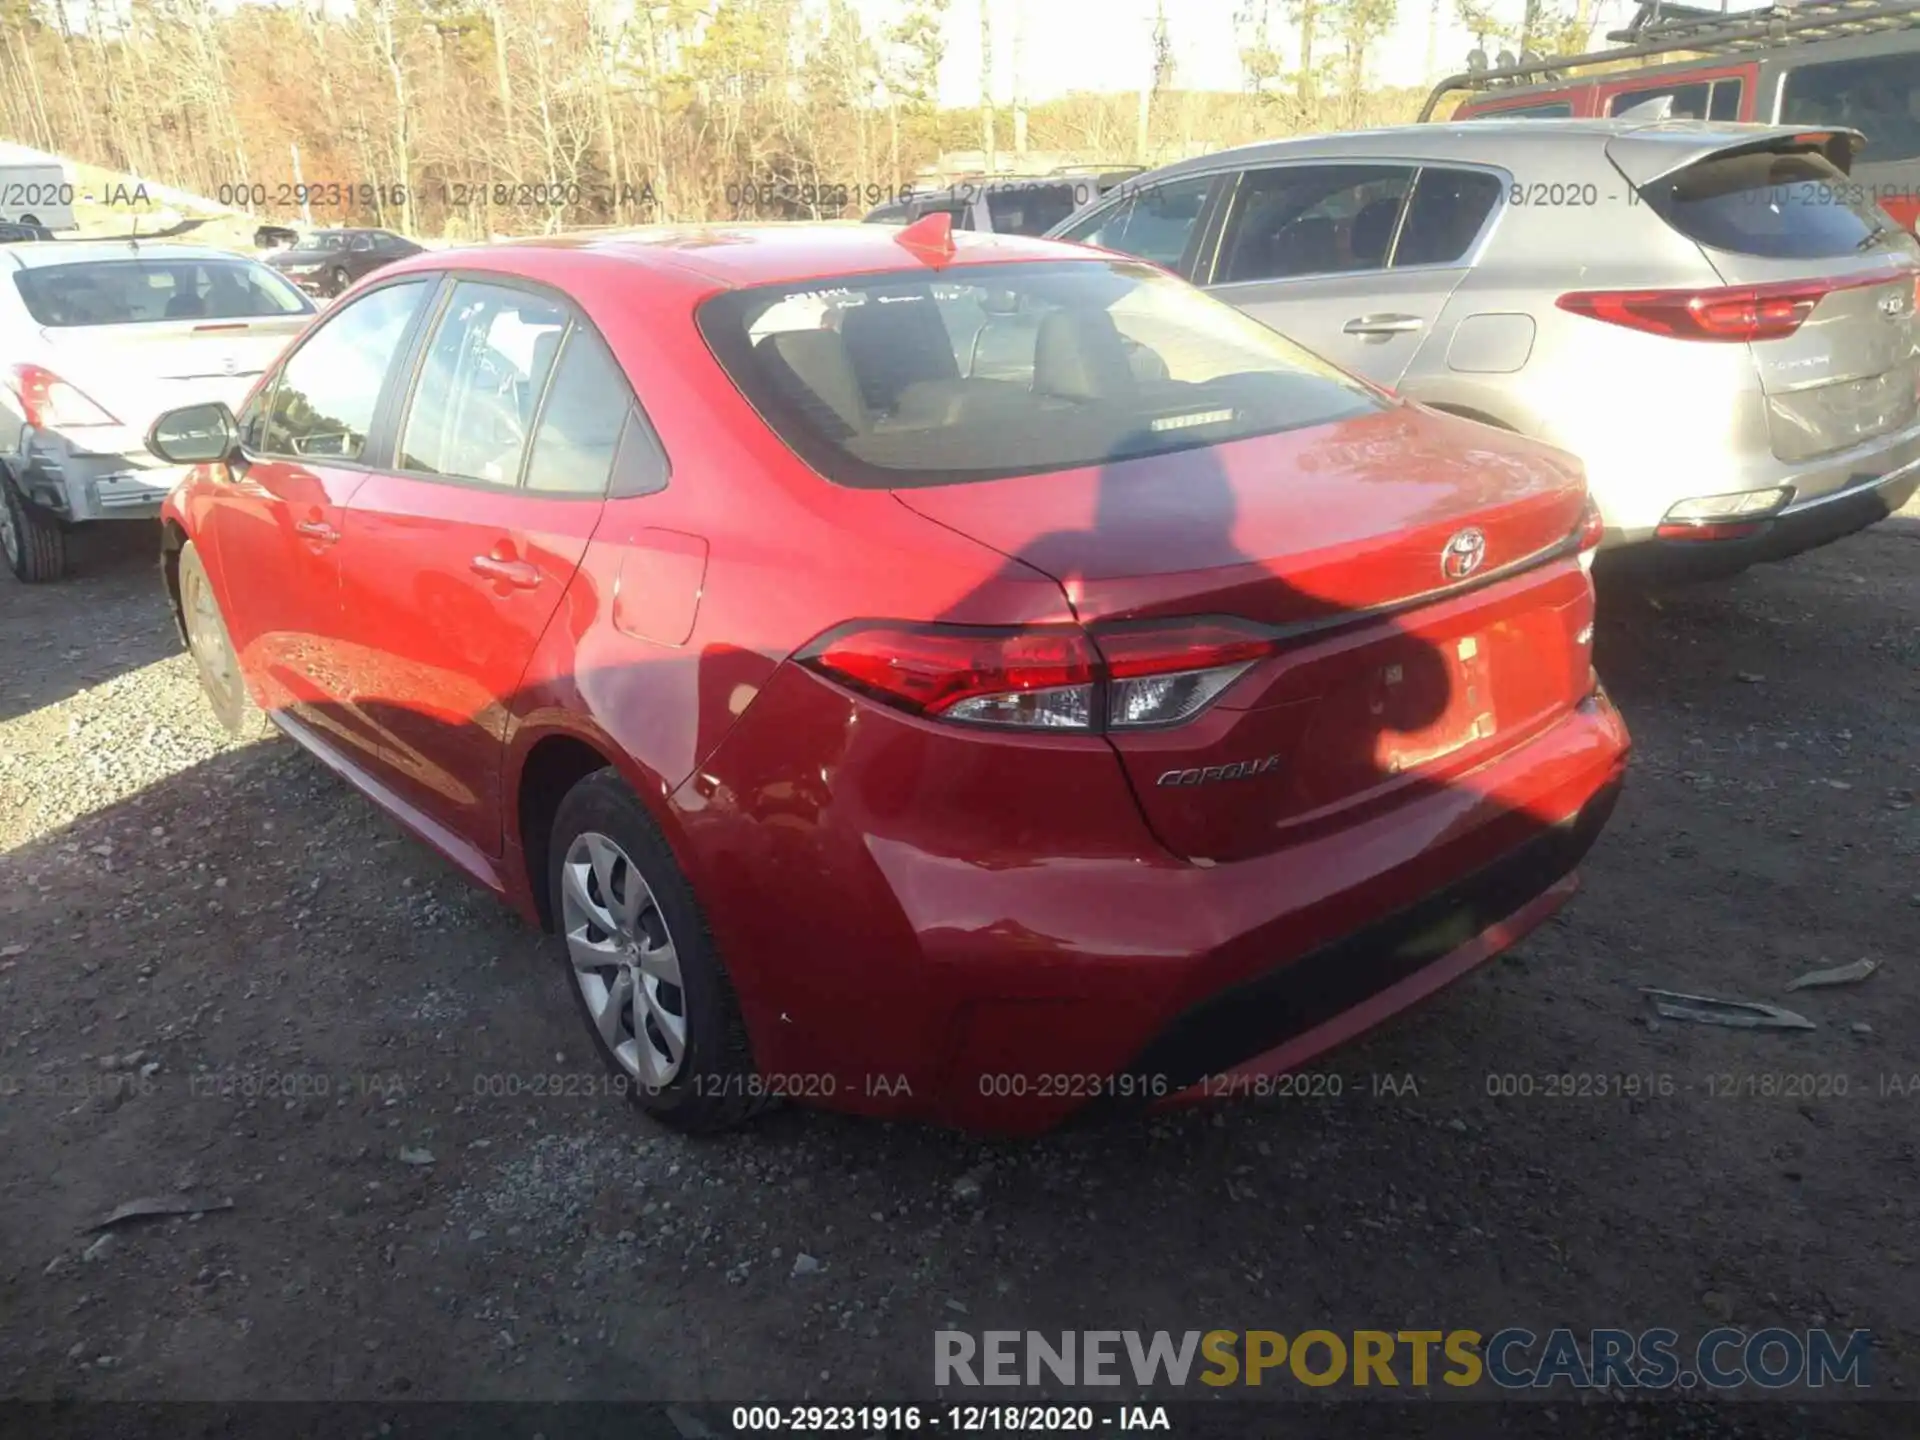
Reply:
x=1551 y=110
x=1312 y=220
x=361 y=242
x=896 y=380
x=1702 y=100
x=324 y=400
x=1154 y=221
x=485 y=369
x=1878 y=96
x=959 y=211
x=139 y=292
x=1029 y=209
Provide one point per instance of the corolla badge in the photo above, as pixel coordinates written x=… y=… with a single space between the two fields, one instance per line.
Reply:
x=1463 y=553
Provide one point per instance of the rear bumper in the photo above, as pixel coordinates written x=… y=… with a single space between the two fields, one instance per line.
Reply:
x=1796 y=529
x=1291 y=1014
x=1009 y=992
x=79 y=486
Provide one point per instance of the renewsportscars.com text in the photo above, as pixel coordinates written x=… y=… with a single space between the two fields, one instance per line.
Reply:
x=1507 y=1359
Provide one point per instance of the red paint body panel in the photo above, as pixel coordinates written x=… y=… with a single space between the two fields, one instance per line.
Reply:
x=909 y=899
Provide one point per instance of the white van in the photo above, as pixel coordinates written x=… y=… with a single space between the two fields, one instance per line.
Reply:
x=35 y=189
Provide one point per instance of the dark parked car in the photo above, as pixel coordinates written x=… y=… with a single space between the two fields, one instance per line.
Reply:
x=328 y=261
x=12 y=231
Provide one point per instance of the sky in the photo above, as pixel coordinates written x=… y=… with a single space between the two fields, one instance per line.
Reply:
x=1107 y=44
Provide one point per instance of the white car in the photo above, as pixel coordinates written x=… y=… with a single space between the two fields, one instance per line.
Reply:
x=35 y=189
x=97 y=338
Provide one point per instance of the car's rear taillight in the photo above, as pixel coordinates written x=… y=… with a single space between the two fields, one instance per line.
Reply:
x=1729 y=312
x=48 y=402
x=1043 y=677
x=1593 y=528
x=1038 y=677
x=1162 y=672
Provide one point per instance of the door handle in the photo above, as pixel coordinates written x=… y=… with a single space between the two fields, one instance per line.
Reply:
x=1382 y=324
x=318 y=530
x=517 y=573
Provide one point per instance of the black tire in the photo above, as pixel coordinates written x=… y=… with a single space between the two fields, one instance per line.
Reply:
x=340 y=279
x=213 y=657
x=714 y=1087
x=32 y=540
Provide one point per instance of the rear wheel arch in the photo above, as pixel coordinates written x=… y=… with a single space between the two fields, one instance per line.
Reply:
x=551 y=767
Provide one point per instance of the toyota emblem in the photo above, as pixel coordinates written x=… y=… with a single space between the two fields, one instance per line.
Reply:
x=1893 y=305
x=231 y=362
x=1463 y=554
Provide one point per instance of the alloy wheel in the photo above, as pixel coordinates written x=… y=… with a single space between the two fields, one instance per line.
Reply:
x=207 y=635
x=624 y=959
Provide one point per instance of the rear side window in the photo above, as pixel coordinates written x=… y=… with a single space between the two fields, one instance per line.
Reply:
x=324 y=399
x=904 y=379
x=1551 y=110
x=1448 y=209
x=485 y=370
x=581 y=419
x=1029 y=209
x=1703 y=100
x=1879 y=96
x=138 y=292
x=1790 y=206
x=1154 y=221
x=1312 y=220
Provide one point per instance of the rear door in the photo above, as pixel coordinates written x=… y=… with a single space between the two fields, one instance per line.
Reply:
x=458 y=552
x=1354 y=260
x=1778 y=214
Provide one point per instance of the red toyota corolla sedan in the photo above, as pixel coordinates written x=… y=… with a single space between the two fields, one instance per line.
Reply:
x=962 y=677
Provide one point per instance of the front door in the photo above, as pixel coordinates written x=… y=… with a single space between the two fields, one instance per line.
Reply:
x=275 y=538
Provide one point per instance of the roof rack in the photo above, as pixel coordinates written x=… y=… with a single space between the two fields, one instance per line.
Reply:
x=1660 y=28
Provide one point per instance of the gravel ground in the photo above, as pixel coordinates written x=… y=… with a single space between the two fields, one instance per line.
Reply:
x=223 y=973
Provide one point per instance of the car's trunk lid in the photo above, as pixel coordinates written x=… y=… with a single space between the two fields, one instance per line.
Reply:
x=140 y=371
x=1393 y=665
x=1775 y=212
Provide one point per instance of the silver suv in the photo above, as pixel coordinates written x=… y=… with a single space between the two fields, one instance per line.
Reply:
x=1702 y=312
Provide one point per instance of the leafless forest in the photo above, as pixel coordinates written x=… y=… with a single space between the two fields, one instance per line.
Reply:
x=470 y=117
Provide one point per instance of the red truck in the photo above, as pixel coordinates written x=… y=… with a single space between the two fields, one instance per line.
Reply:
x=1826 y=62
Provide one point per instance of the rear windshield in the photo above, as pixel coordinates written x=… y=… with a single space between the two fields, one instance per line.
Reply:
x=135 y=292
x=924 y=379
x=1796 y=206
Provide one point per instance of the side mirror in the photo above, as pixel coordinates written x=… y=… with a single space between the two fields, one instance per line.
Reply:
x=194 y=434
